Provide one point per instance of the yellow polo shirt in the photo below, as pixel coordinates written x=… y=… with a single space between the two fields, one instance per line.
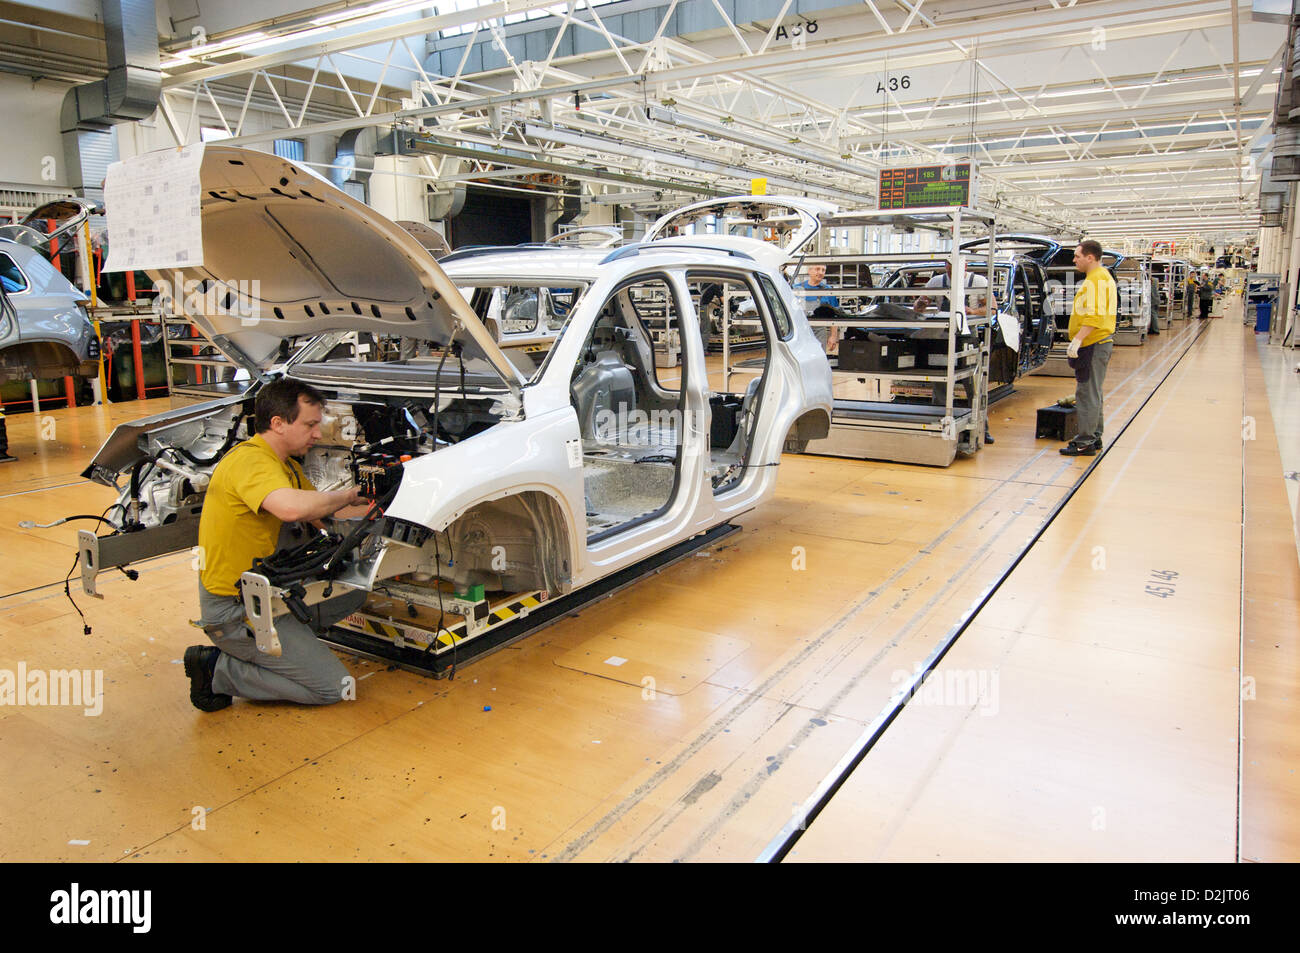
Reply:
x=1095 y=304
x=233 y=529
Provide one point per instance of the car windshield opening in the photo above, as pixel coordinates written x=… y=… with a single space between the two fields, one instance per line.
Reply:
x=527 y=318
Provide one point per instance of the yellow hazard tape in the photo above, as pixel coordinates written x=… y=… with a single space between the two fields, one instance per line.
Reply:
x=447 y=637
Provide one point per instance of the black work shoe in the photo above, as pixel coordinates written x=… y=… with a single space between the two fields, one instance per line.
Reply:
x=5 y=458
x=1080 y=449
x=988 y=437
x=200 y=663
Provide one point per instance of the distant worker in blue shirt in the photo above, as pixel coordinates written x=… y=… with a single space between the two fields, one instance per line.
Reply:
x=815 y=281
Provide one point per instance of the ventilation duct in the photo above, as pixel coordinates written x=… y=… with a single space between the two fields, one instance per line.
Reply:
x=447 y=201
x=572 y=205
x=1286 y=154
x=1272 y=196
x=444 y=205
x=129 y=92
x=354 y=162
x=1273 y=11
x=1288 y=88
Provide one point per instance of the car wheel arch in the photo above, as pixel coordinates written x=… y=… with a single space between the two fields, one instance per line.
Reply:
x=525 y=537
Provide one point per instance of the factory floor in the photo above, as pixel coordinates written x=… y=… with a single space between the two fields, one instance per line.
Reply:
x=1140 y=663
x=770 y=654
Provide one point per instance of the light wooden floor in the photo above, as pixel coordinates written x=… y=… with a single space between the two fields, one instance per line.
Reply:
x=1270 y=828
x=789 y=633
x=1111 y=731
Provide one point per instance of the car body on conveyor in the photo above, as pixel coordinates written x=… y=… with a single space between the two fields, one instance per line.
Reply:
x=1022 y=331
x=544 y=463
x=1136 y=304
x=44 y=329
x=788 y=223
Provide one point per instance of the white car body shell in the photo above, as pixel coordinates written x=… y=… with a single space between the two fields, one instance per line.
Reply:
x=315 y=251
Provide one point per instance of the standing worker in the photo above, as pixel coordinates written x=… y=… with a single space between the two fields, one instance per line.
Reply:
x=1189 y=292
x=1092 y=322
x=256 y=488
x=1205 y=294
x=816 y=281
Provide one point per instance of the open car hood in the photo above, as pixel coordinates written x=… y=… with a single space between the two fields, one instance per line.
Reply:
x=589 y=236
x=769 y=255
x=429 y=240
x=1039 y=247
x=321 y=261
x=796 y=220
x=66 y=214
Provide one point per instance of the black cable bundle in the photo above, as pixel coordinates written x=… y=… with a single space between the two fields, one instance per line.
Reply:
x=291 y=565
x=322 y=556
x=220 y=452
x=437 y=385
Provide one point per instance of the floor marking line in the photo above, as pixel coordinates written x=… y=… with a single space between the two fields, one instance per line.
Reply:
x=39 y=489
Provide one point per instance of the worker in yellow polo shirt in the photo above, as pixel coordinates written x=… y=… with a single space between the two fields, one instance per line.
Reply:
x=1092 y=323
x=255 y=489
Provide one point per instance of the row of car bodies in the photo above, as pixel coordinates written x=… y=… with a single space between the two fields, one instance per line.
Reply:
x=512 y=401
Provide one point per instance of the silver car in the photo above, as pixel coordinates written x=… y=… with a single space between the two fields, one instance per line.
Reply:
x=44 y=328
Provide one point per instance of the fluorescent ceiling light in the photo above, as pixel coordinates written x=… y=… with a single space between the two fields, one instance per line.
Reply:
x=260 y=39
x=373 y=11
x=274 y=40
x=220 y=45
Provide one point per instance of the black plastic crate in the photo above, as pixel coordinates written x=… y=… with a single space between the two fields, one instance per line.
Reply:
x=932 y=353
x=1056 y=423
x=886 y=355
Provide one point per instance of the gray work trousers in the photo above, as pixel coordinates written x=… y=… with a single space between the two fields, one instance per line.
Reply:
x=1087 y=396
x=306 y=671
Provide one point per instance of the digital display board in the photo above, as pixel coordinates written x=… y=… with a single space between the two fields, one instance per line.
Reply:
x=926 y=186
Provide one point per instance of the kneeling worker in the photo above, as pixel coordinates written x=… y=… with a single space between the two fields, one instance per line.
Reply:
x=256 y=488
x=1092 y=322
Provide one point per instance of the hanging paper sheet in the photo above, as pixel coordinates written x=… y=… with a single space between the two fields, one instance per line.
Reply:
x=152 y=205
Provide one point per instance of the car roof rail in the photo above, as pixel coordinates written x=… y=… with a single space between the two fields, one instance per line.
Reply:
x=631 y=251
x=475 y=251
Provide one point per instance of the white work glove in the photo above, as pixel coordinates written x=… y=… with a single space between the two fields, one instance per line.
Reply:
x=1073 y=349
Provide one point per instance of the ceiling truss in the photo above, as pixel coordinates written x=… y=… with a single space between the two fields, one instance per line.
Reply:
x=1087 y=145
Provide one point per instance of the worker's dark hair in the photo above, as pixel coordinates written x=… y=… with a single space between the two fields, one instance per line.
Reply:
x=1090 y=247
x=280 y=399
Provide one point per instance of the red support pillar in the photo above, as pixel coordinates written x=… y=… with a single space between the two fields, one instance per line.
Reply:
x=130 y=286
x=139 y=359
x=70 y=391
x=198 y=368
